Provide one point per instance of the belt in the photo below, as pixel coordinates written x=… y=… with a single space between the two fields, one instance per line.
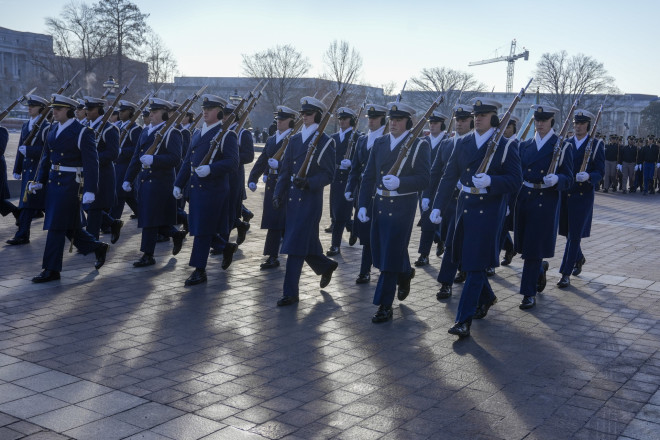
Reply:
x=459 y=186
x=473 y=190
x=272 y=171
x=56 y=167
x=535 y=185
x=385 y=193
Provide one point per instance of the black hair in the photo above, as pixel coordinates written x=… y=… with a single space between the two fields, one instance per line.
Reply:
x=471 y=123
x=443 y=127
x=383 y=121
x=317 y=117
x=101 y=111
x=494 y=121
x=409 y=124
x=515 y=128
x=70 y=113
x=352 y=121
x=166 y=115
x=291 y=123
x=190 y=119
x=552 y=122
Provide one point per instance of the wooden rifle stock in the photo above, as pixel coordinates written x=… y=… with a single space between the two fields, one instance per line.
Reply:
x=499 y=131
x=590 y=144
x=253 y=102
x=131 y=122
x=354 y=133
x=296 y=128
x=562 y=135
x=108 y=113
x=4 y=114
x=413 y=135
x=302 y=172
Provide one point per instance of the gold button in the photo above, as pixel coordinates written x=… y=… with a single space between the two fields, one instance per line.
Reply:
x=391 y=201
x=542 y=171
x=541 y=193
x=481 y=197
x=467 y=169
x=580 y=193
x=529 y=192
x=382 y=172
x=390 y=214
x=465 y=210
x=299 y=199
x=59 y=174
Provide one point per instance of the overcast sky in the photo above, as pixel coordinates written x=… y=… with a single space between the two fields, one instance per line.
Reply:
x=397 y=38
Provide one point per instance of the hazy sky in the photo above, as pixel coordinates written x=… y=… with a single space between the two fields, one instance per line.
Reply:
x=398 y=38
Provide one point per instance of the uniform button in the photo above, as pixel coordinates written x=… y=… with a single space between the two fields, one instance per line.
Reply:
x=382 y=172
x=481 y=211
x=529 y=192
x=142 y=180
x=290 y=199
x=59 y=183
x=300 y=199
x=529 y=169
x=542 y=171
x=481 y=197
x=268 y=187
x=465 y=210
x=467 y=169
x=541 y=193
x=59 y=174
x=390 y=214
x=380 y=212
x=580 y=193
x=569 y=195
x=540 y=204
x=294 y=162
x=391 y=201
x=149 y=180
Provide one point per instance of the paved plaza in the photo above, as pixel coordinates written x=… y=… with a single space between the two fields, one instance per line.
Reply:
x=132 y=353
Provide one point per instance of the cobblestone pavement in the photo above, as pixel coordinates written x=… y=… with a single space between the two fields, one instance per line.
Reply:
x=132 y=353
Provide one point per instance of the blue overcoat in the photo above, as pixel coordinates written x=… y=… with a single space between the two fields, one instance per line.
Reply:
x=4 y=188
x=353 y=185
x=108 y=150
x=126 y=151
x=271 y=218
x=27 y=165
x=340 y=208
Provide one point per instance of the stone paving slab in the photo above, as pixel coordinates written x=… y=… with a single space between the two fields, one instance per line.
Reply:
x=132 y=353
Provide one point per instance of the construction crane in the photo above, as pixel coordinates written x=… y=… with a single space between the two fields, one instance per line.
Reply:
x=510 y=59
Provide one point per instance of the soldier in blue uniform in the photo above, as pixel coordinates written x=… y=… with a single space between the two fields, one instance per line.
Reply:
x=209 y=184
x=536 y=218
x=577 y=202
x=81 y=113
x=6 y=207
x=70 y=163
x=25 y=168
x=155 y=180
x=510 y=132
x=272 y=219
x=481 y=208
x=394 y=205
x=132 y=134
x=463 y=126
x=107 y=148
x=341 y=210
x=303 y=200
x=376 y=121
x=429 y=230
x=186 y=135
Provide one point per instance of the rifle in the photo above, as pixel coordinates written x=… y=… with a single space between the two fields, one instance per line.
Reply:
x=108 y=113
x=75 y=93
x=386 y=129
x=195 y=121
x=412 y=137
x=499 y=131
x=302 y=172
x=163 y=131
x=127 y=128
x=296 y=128
x=354 y=134
x=4 y=114
x=590 y=145
x=251 y=105
x=451 y=119
x=562 y=136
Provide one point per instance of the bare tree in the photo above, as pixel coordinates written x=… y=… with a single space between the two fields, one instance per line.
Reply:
x=342 y=63
x=563 y=78
x=283 y=66
x=161 y=62
x=650 y=119
x=125 y=25
x=436 y=81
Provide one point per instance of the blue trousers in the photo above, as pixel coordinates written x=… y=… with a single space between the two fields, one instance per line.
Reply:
x=272 y=243
x=448 y=268
x=572 y=253
x=150 y=235
x=367 y=260
x=386 y=288
x=476 y=291
x=24 y=222
x=83 y=241
x=648 y=169
x=532 y=268
x=200 y=251
x=426 y=242
x=294 y=263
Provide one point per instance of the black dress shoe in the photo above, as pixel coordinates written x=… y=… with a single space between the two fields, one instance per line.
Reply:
x=383 y=314
x=460 y=277
x=404 y=285
x=440 y=249
x=605 y=190
x=247 y=215
x=177 y=241
x=461 y=329
x=145 y=260
x=363 y=278
x=352 y=239
x=100 y=253
x=564 y=282
x=18 y=241
x=287 y=301
x=241 y=231
x=578 y=266
x=334 y=250
x=540 y=284
x=482 y=310
x=228 y=254
x=115 y=230
x=490 y=272
x=197 y=277
x=270 y=263
x=327 y=276
x=46 y=275
x=444 y=292
x=527 y=302
x=423 y=260
x=508 y=257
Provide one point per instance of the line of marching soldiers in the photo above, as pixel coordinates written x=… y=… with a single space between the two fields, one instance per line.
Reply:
x=633 y=166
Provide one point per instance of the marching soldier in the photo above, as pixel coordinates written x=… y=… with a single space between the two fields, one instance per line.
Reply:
x=464 y=123
x=272 y=219
x=649 y=157
x=209 y=184
x=611 y=159
x=81 y=113
x=376 y=115
x=627 y=165
x=70 y=164
x=429 y=229
x=25 y=168
x=6 y=207
x=340 y=208
x=480 y=210
x=132 y=134
x=577 y=203
x=394 y=205
x=155 y=174
x=536 y=217
x=304 y=201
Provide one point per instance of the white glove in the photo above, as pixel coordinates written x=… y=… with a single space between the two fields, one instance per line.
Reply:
x=88 y=197
x=551 y=179
x=657 y=165
x=22 y=149
x=638 y=167
x=508 y=211
x=252 y=186
x=176 y=192
x=619 y=167
x=264 y=178
x=582 y=176
x=147 y=159
x=391 y=182
x=425 y=204
x=345 y=164
x=126 y=186
x=481 y=180
x=273 y=163
x=348 y=196
x=33 y=187
x=435 y=216
x=203 y=171
x=362 y=215
x=17 y=176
